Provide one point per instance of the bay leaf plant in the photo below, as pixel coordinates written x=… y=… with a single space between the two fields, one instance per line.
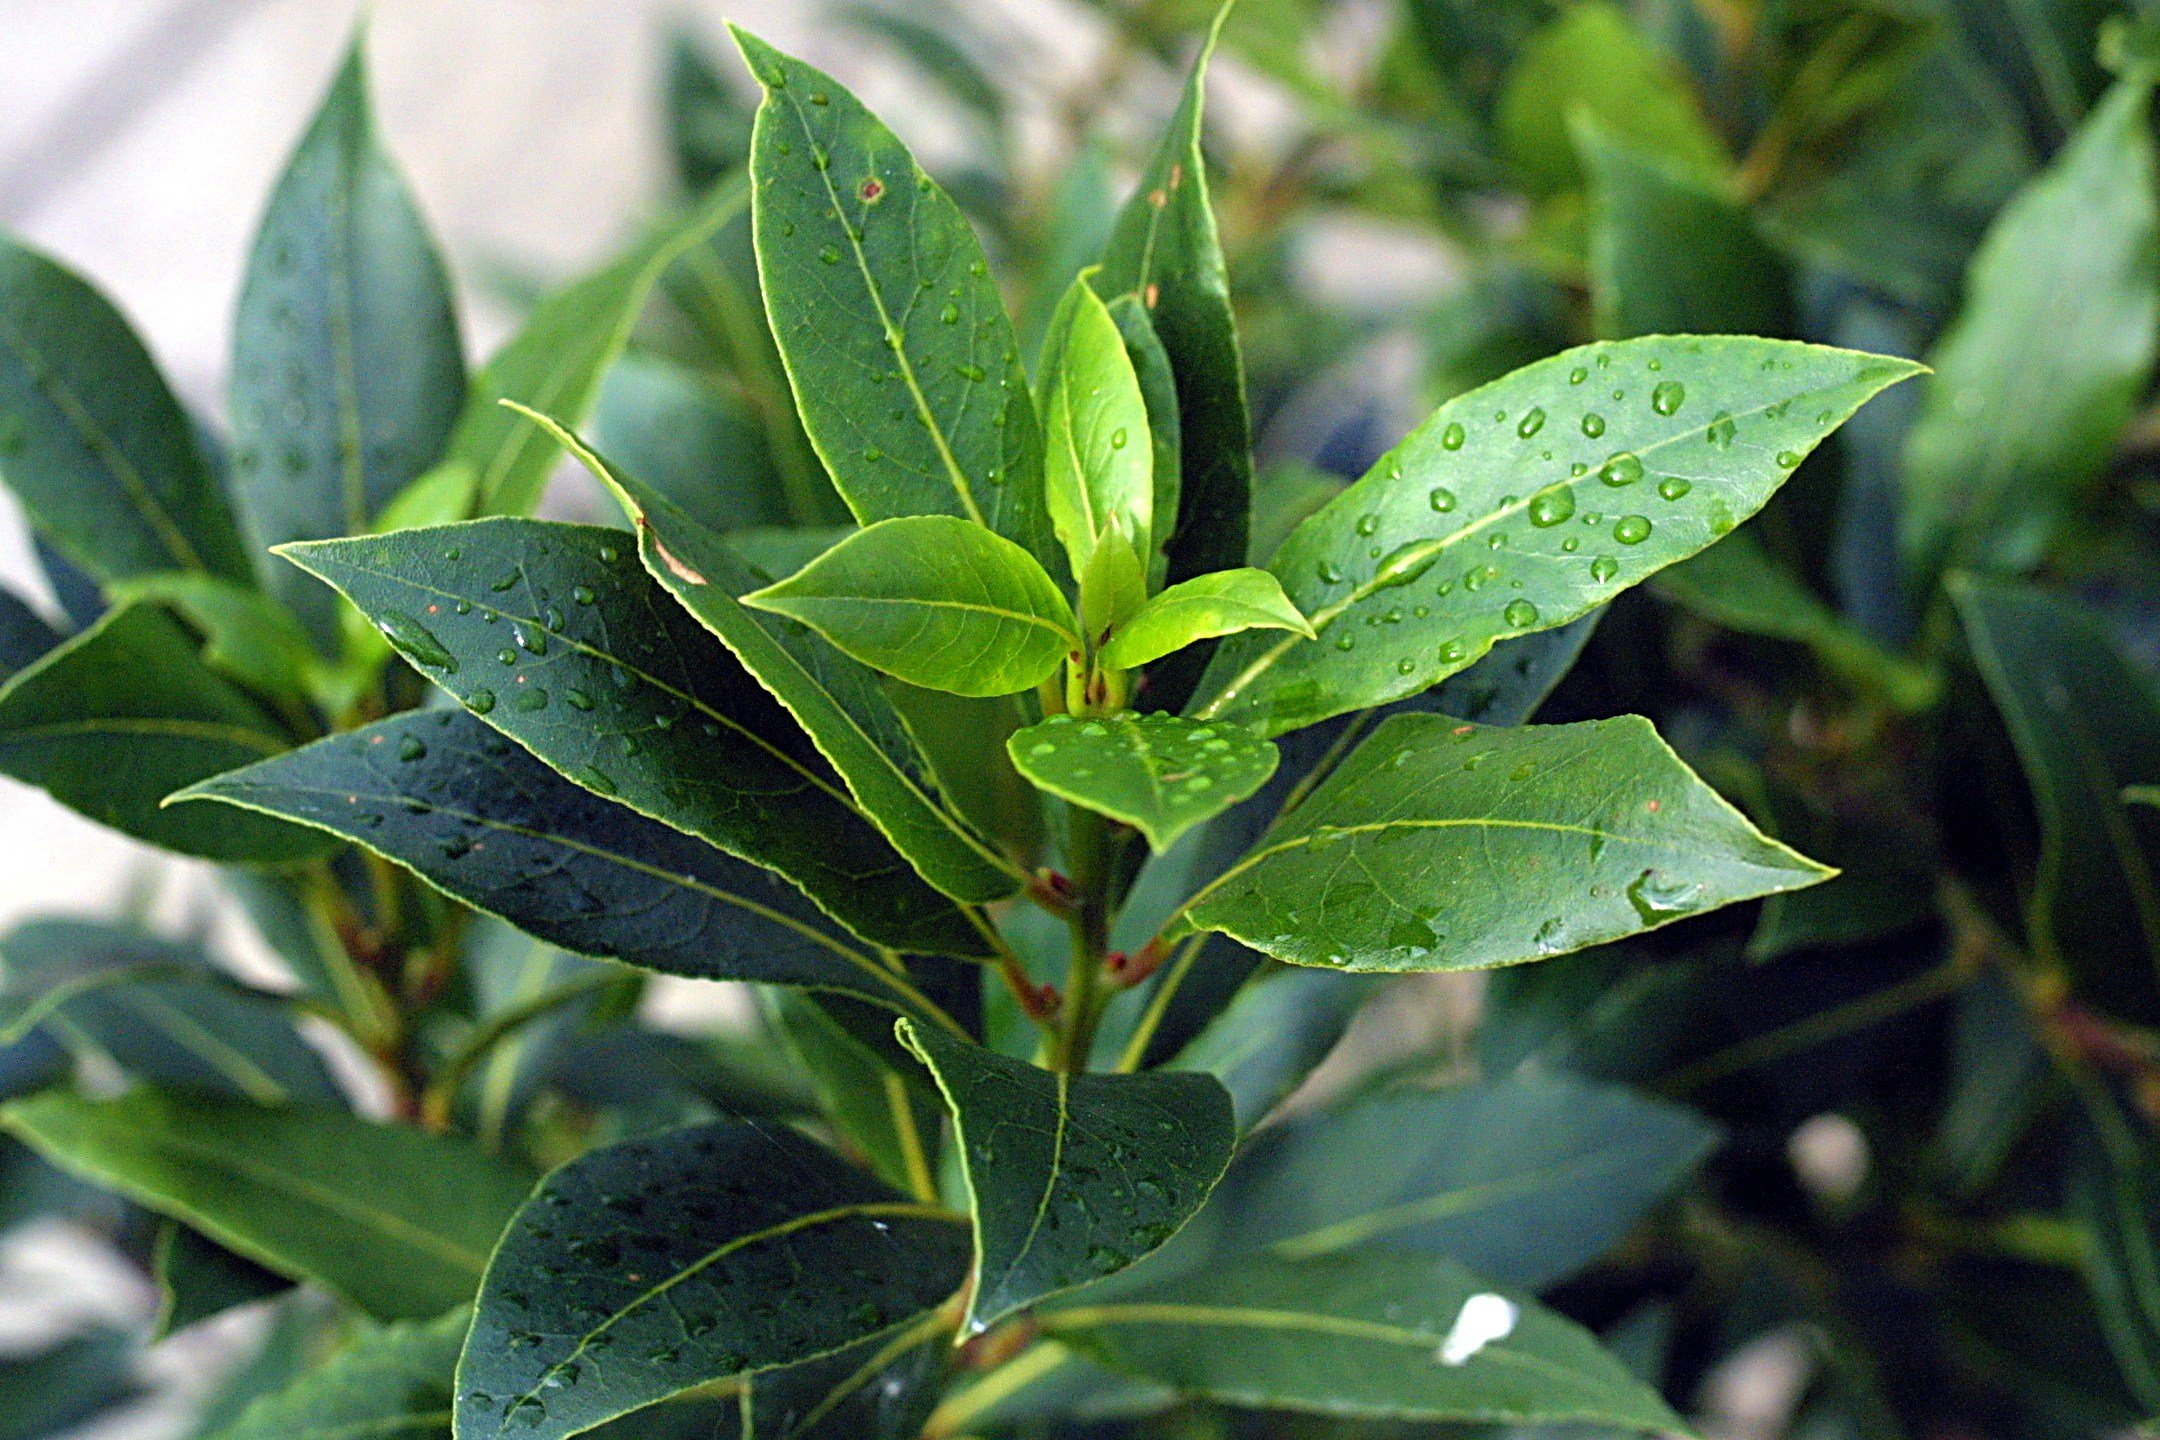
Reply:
x=1055 y=838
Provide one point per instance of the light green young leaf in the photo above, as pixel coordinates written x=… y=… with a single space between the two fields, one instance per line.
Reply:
x=1113 y=587
x=1529 y=501
x=91 y=439
x=1072 y=1177
x=1158 y=387
x=1374 y=1333
x=894 y=334
x=937 y=601
x=1159 y=773
x=393 y=1384
x=1441 y=845
x=124 y=714
x=758 y=1249
x=397 y=1221
x=1222 y=603
x=1996 y=456
x=346 y=373
x=1099 y=465
x=246 y=634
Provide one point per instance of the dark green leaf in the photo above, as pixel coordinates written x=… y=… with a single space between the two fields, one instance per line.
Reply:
x=645 y=1269
x=935 y=601
x=561 y=641
x=1202 y=608
x=57 y=1389
x=346 y=371
x=1100 y=463
x=1445 y=846
x=1072 y=1177
x=1994 y=460
x=247 y=635
x=1158 y=773
x=475 y=815
x=394 y=1383
x=25 y=635
x=904 y=364
x=1272 y=1035
x=198 y=1278
x=863 y=1091
x=92 y=441
x=126 y=713
x=690 y=441
x=708 y=123
x=2112 y=1193
x=2086 y=724
x=1376 y=1333
x=1605 y=464
x=396 y=1221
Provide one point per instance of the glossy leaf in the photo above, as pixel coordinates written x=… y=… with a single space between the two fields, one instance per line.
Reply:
x=1165 y=253
x=2086 y=724
x=440 y=793
x=645 y=1269
x=934 y=601
x=1377 y=1333
x=840 y=704
x=198 y=1278
x=1100 y=462
x=1994 y=460
x=1605 y=464
x=1158 y=773
x=247 y=635
x=1445 y=846
x=555 y=363
x=91 y=440
x=904 y=364
x=394 y=1220
x=395 y=1382
x=346 y=371
x=557 y=637
x=25 y=636
x=1202 y=608
x=1072 y=1177
x=126 y=713
x=1524 y=1180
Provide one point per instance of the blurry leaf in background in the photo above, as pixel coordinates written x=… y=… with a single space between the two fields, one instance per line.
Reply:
x=2112 y=1195
x=346 y=369
x=1272 y=1035
x=395 y=1382
x=691 y=441
x=127 y=713
x=2000 y=1077
x=708 y=119
x=198 y=1278
x=2036 y=380
x=880 y=1103
x=56 y=1389
x=2086 y=724
x=247 y=635
x=25 y=635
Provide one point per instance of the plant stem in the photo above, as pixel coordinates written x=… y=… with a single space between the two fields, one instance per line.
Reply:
x=1091 y=867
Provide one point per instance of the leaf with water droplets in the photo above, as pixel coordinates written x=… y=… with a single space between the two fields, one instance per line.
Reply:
x=1749 y=409
x=677 y=729
x=1099 y=461
x=1374 y=1333
x=1159 y=773
x=935 y=601
x=395 y=1382
x=346 y=371
x=397 y=1221
x=911 y=415
x=1222 y=603
x=646 y=1269
x=484 y=821
x=1072 y=1177
x=1445 y=846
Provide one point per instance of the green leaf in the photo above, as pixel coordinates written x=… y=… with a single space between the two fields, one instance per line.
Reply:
x=708 y=124
x=1740 y=586
x=2113 y=1186
x=1524 y=1180
x=691 y=441
x=1072 y=1177
x=1994 y=460
x=346 y=371
x=1592 y=61
x=26 y=637
x=555 y=364
x=841 y=705
x=1158 y=387
x=1609 y=462
x=247 y=636
x=198 y=1278
x=559 y=639
x=645 y=1269
x=1164 y=253
x=935 y=601
x=1671 y=250
x=1223 y=603
x=91 y=440
x=903 y=361
x=394 y=1220
x=439 y=792
x=2086 y=724
x=394 y=1383
x=1158 y=773
x=1376 y=1333
x=59 y=1388
x=861 y=1091
x=1274 y=1032
x=126 y=713
x=1100 y=465
x=1439 y=845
